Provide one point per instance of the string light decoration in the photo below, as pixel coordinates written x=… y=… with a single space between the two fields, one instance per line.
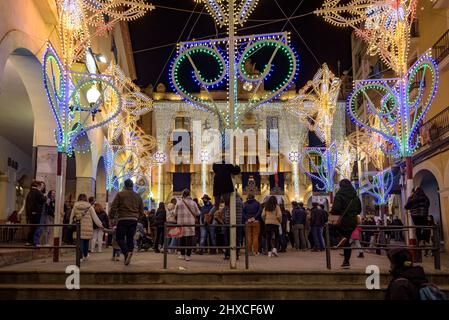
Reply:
x=82 y=20
x=218 y=9
x=68 y=94
x=346 y=158
x=316 y=103
x=400 y=109
x=368 y=146
x=378 y=185
x=384 y=25
x=320 y=164
x=189 y=54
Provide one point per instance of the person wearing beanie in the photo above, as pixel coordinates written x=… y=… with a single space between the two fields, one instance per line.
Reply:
x=126 y=208
x=407 y=278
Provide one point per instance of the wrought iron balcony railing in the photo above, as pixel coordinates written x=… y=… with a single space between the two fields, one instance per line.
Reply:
x=440 y=49
x=435 y=128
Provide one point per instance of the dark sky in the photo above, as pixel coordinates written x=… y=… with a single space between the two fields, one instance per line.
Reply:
x=162 y=28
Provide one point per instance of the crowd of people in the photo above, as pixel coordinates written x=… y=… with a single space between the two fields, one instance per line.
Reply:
x=268 y=228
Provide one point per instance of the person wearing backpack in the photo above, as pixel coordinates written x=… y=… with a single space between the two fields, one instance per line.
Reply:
x=409 y=282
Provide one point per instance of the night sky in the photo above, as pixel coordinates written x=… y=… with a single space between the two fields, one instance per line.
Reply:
x=160 y=30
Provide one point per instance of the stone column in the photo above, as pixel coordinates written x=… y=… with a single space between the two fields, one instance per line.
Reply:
x=85 y=185
x=46 y=158
x=444 y=207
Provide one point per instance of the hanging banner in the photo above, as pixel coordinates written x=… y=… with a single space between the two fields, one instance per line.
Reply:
x=251 y=182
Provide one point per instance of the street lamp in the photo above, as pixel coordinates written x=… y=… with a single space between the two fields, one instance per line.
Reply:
x=93 y=95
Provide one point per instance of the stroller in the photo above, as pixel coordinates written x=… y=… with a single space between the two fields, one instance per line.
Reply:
x=143 y=240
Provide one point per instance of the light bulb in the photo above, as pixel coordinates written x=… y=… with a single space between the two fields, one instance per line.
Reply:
x=93 y=95
x=101 y=58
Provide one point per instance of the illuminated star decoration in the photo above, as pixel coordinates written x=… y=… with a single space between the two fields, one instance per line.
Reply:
x=316 y=103
x=219 y=10
x=68 y=94
x=320 y=164
x=384 y=25
x=81 y=20
x=400 y=108
x=377 y=185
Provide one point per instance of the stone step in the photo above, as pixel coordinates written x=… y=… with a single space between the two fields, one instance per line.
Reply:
x=205 y=278
x=200 y=292
x=15 y=256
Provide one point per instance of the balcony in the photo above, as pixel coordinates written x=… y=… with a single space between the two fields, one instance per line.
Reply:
x=440 y=50
x=435 y=130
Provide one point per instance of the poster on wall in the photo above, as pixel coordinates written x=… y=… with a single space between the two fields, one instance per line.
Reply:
x=277 y=182
x=46 y=166
x=251 y=183
x=181 y=181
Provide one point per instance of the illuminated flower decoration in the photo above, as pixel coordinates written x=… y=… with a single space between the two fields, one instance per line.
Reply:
x=401 y=109
x=377 y=185
x=214 y=72
x=384 y=25
x=81 y=20
x=316 y=103
x=294 y=156
x=320 y=165
x=160 y=157
x=75 y=100
x=346 y=158
x=219 y=10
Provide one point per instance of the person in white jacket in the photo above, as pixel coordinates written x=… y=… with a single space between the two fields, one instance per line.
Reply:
x=171 y=218
x=84 y=212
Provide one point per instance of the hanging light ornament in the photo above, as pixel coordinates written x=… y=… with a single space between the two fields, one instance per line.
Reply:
x=378 y=185
x=316 y=103
x=384 y=25
x=346 y=158
x=320 y=165
x=82 y=20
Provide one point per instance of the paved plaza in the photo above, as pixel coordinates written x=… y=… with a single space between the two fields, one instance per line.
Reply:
x=286 y=262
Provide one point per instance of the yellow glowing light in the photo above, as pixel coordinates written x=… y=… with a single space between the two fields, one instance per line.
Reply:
x=316 y=103
x=384 y=25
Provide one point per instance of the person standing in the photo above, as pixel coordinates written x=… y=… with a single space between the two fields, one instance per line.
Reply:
x=299 y=217
x=98 y=233
x=347 y=205
x=317 y=222
x=34 y=206
x=272 y=216
x=171 y=219
x=186 y=212
x=251 y=217
x=418 y=204
x=127 y=207
x=84 y=212
x=206 y=220
x=160 y=219
x=227 y=220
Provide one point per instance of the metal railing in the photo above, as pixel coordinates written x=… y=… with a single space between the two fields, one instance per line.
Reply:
x=440 y=49
x=434 y=128
x=384 y=245
x=9 y=231
x=225 y=226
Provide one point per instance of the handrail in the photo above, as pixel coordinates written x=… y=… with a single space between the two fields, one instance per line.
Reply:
x=56 y=248
x=441 y=47
x=385 y=246
x=171 y=225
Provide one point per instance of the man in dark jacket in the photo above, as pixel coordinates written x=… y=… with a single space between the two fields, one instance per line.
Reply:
x=318 y=220
x=206 y=219
x=407 y=279
x=418 y=204
x=346 y=204
x=252 y=218
x=299 y=217
x=34 y=205
x=223 y=183
x=126 y=207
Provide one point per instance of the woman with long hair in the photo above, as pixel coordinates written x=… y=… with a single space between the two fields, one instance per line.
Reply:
x=98 y=233
x=272 y=216
x=347 y=205
x=84 y=212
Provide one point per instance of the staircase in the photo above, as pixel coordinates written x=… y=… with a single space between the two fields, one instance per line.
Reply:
x=239 y=285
